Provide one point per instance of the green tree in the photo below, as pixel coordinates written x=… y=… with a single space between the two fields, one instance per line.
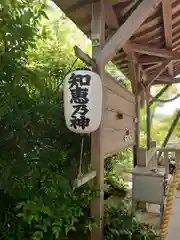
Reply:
x=37 y=160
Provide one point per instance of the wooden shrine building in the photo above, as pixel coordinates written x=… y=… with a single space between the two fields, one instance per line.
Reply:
x=142 y=38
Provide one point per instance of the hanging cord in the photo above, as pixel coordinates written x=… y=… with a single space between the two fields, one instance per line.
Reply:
x=81 y=157
x=160 y=100
x=70 y=69
x=165 y=100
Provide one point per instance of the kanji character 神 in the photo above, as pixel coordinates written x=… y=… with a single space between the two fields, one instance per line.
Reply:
x=81 y=122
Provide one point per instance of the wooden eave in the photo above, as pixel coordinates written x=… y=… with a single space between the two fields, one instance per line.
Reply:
x=155 y=44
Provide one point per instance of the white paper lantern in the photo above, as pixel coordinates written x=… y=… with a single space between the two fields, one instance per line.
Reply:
x=83 y=101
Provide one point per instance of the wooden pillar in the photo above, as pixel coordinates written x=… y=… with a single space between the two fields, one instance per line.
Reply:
x=137 y=132
x=154 y=158
x=97 y=155
x=148 y=119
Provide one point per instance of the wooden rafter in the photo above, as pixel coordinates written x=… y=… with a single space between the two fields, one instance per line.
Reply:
x=172 y=81
x=146 y=60
x=153 y=66
x=154 y=31
x=154 y=51
x=77 y=4
x=112 y=23
x=157 y=73
x=132 y=71
x=165 y=78
x=110 y=16
x=167 y=17
x=134 y=21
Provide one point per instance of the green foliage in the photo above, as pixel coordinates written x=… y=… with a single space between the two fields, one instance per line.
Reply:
x=37 y=160
x=117 y=169
x=159 y=123
x=119 y=223
x=55 y=214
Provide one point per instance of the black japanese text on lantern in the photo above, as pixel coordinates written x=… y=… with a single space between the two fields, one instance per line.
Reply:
x=79 y=86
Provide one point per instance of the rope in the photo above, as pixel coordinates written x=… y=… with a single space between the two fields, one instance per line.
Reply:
x=81 y=157
x=155 y=99
x=169 y=203
x=165 y=100
x=67 y=72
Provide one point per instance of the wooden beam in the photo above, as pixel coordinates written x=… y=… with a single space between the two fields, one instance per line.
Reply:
x=77 y=5
x=97 y=155
x=157 y=73
x=127 y=29
x=146 y=60
x=168 y=79
x=152 y=67
x=167 y=17
x=112 y=22
x=132 y=66
x=149 y=50
x=85 y=178
x=85 y=57
x=158 y=82
x=110 y=15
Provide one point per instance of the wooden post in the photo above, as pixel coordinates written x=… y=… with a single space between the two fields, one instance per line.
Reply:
x=154 y=159
x=148 y=119
x=142 y=162
x=166 y=163
x=137 y=132
x=97 y=155
x=142 y=157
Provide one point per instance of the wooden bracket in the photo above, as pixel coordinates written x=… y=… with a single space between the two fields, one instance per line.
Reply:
x=81 y=180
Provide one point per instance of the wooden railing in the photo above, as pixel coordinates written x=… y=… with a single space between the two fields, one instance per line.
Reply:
x=148 y=158
x=148 y=169
x=165 y=161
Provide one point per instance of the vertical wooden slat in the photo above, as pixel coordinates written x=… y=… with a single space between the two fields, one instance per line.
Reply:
x=148 y=118
x=142 y=157
x=137 y=123
x=166 y=163
x=154 y=157
x=167 y=17
x=137 y=132
x=97 y=158
x=142 y=162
